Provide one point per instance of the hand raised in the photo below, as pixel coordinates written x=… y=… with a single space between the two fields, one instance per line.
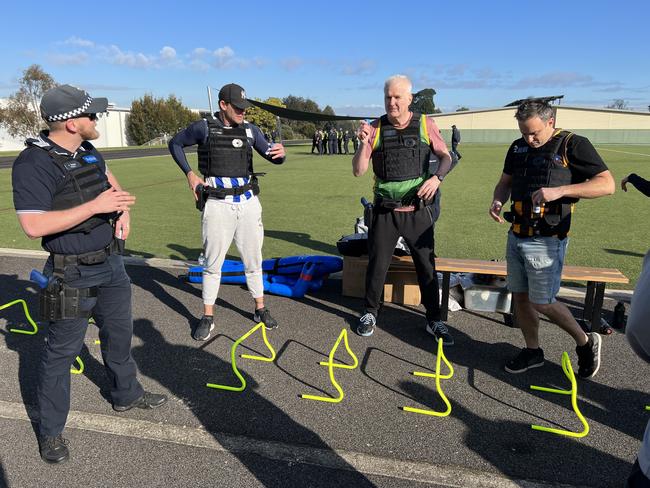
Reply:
x=113 y=200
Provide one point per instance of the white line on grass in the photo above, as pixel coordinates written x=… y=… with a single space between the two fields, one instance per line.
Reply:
x=622 y=152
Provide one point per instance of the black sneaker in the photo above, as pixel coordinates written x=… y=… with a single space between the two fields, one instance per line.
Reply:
x=366 y=325
x=53 y=450
x=439 y=330
x=146 y=401
x=589 y=356
x=525 y=360
x=264 y=315
x=202 y=331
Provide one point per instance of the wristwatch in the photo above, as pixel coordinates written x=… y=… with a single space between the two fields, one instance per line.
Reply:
x=440 y=177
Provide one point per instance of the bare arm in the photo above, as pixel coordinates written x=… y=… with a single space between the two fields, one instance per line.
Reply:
x=600 y=185
x=361 y=158
x=501 y=194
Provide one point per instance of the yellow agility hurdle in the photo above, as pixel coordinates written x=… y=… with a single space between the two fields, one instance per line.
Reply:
x=440 y=357
x=568 y=371
x=27 y=316
x=343 y=336
x=233 y=359
x=34 y=330
x=80 y=369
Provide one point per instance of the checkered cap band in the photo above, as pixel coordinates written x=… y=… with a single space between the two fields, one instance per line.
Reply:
x=72 y=113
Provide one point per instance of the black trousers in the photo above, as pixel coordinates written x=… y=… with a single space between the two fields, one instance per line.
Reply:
x=111 y=310
x=454 y=149
x=417 y=230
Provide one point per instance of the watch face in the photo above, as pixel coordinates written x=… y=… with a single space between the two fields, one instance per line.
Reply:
x=440 y=177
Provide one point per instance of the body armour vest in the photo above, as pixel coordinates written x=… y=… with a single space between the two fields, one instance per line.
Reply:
x=401 y=154
x=532 y=170
x=83 y=181
x=226 y=152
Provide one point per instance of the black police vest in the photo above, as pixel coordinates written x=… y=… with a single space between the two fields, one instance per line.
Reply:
x=226 y=152
x=83 y=181
x=532 y=170
x=401 y=154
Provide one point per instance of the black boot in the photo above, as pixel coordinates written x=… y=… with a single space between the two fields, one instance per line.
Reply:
x=54 y=450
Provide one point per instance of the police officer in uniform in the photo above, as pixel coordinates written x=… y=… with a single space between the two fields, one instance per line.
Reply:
x=399 y=144
x=65 y=194
x=545 y=172
x=227 y=195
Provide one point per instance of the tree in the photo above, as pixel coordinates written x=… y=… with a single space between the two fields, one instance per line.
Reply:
x=153 y=117
x=261 y=118
x=21 y=116
x=619 y=104
x=423 y=102
x=462 y=109
x=301 y=128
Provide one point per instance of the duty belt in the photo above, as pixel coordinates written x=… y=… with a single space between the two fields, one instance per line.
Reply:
x=93 y=257
x=399 y=206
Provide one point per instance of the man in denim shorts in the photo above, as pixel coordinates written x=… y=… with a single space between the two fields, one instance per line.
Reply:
x=545 y=173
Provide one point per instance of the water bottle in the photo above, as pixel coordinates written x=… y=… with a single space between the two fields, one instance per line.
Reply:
x=618 y=321
x=201 y=259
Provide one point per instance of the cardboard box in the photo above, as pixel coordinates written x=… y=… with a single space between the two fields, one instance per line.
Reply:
x=401 y=281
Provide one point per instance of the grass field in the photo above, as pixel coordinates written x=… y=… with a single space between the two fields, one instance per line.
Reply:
x=311 y=201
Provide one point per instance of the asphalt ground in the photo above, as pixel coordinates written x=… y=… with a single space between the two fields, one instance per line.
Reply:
x=7 y=161
x=268 y=436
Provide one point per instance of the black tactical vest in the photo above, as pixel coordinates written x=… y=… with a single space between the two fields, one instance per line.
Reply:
x=83 y=181
x=226 y=152
x=535 y=169
x=401 y=155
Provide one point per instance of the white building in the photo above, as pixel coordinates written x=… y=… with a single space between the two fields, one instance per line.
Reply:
x=111 y=127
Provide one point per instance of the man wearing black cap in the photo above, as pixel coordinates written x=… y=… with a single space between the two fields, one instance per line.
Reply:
x=232 y=210
x=65 y=194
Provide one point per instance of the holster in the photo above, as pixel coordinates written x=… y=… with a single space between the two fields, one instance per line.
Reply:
x=368 y=211
x=201 y=197
x=58 y=301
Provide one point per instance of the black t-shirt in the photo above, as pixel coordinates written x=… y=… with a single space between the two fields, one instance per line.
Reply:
x=584 y=164
x=35 y=179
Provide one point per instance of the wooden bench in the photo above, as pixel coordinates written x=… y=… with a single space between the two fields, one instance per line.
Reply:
x=403 y=268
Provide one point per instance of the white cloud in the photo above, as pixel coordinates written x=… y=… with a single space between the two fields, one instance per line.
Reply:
x=77 y=41
x=199 y=52
x=168 y=53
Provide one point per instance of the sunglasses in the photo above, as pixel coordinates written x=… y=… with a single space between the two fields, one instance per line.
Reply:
x=92 y=117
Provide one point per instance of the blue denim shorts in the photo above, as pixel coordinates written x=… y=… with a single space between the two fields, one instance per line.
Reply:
x=535 y=266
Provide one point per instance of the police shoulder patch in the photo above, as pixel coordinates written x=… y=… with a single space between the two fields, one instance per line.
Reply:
x=90 y=158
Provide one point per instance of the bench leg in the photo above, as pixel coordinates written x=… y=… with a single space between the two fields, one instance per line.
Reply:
x=597 y=306
x=589 y=301
x=444 y=305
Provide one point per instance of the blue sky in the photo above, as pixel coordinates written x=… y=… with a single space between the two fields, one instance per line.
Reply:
x=475 y=54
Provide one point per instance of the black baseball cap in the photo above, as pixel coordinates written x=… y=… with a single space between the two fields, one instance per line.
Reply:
x=65 y=102
x=234 y=95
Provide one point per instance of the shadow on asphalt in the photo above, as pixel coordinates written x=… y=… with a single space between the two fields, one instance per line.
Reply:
x=510 y=446
x=248 y=414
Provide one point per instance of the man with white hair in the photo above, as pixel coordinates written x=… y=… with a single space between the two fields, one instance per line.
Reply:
x=399 y=144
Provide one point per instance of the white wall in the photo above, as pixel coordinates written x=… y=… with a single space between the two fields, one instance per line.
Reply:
x=112 y=130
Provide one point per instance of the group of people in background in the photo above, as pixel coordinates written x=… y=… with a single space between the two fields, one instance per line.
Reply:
x=333 y=141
